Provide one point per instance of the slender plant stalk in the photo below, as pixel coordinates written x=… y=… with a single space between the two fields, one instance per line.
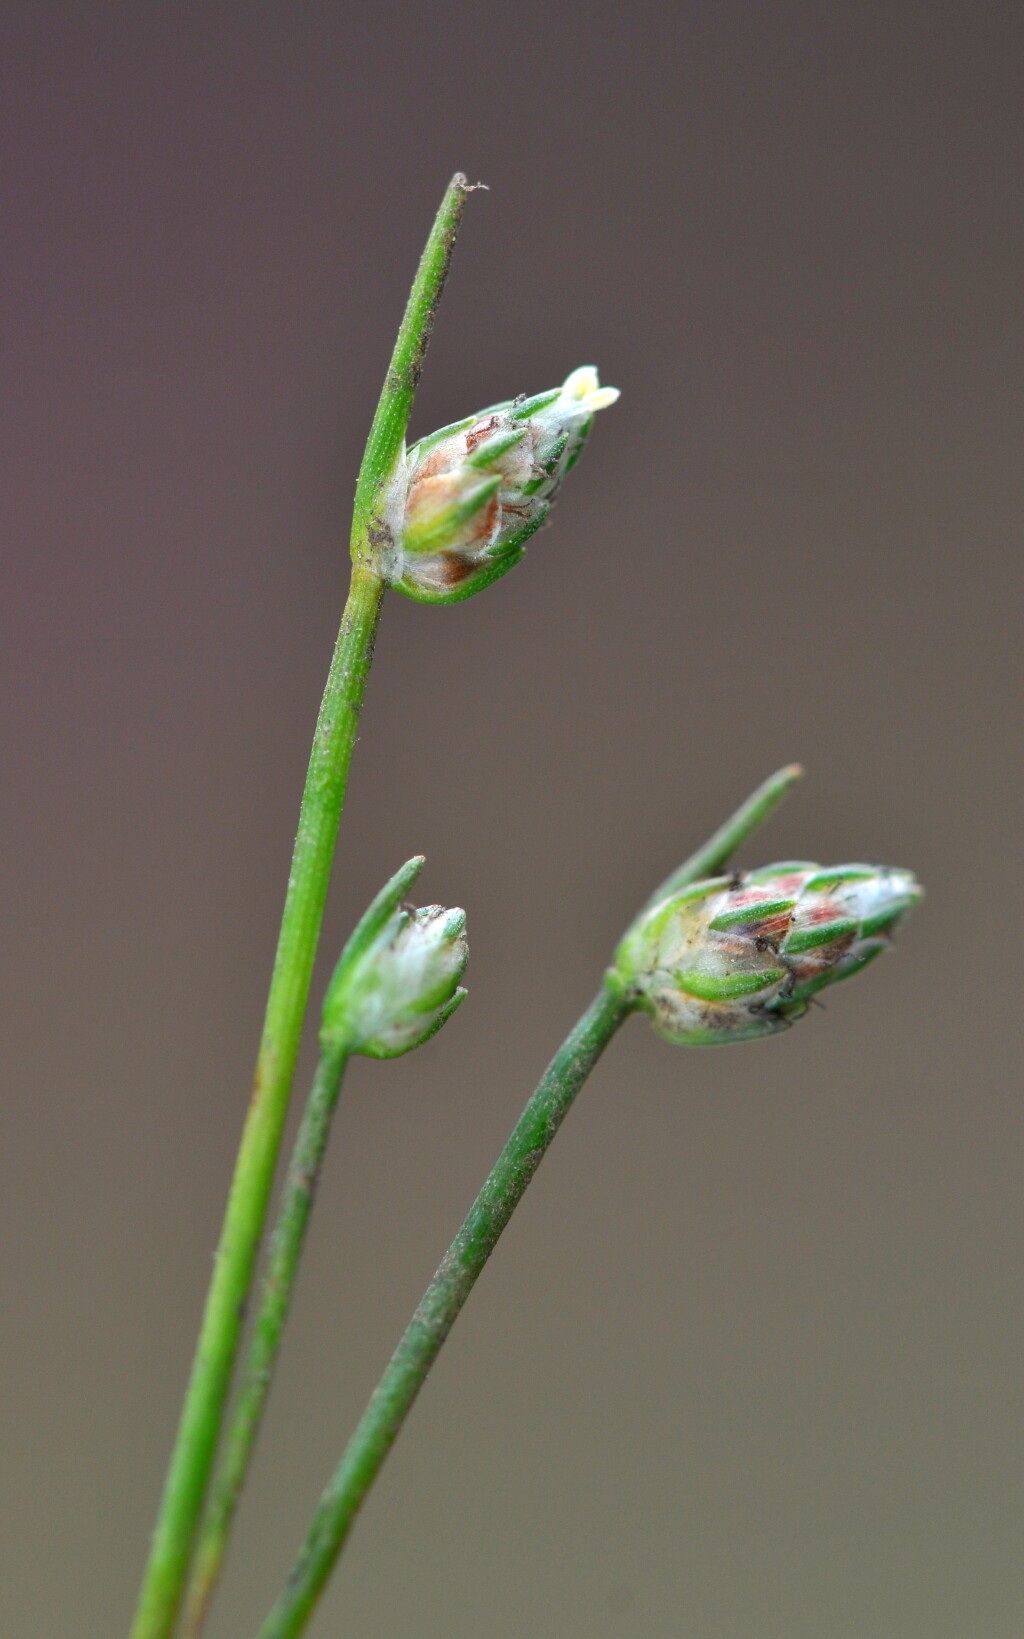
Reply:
x=715 y=854
x=439 y=1308
x=395 y=405
x=282 y=1263
x=442 y=1302
x=319 y=818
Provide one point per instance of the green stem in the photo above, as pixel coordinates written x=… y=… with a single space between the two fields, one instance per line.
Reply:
x=261 y=1136
x=319 y=818
x=285 y=1249
x=710 y=858
x=441 y=1303
x=439 y=1308
x=392 y=417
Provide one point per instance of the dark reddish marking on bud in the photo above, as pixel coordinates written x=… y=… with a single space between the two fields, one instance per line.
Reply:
x=453 y=570
x=789 y=884
x=477 y=434
x=827 y=911
x=436 y=462
x=774 y=927
x=753 y=896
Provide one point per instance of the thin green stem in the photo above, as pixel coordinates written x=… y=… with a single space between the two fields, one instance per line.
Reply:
x=285 y=1249
x=439 y=1308
x=261 y=1136
x=719 y=849
x=319 y=818
x=392 y=418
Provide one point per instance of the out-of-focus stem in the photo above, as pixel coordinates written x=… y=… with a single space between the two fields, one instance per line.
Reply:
x=442 y=1302
x=285 y=1249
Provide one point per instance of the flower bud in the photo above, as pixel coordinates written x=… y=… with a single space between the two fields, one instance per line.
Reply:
x=466 y=500
x=398 y=977
x=741 y=956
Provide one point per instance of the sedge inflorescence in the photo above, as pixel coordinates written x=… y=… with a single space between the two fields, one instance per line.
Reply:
x=740 y=956
x=466 y=499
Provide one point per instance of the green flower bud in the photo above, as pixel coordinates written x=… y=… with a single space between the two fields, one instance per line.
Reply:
x=741 y=956
x=398 y=977
x=466 y=500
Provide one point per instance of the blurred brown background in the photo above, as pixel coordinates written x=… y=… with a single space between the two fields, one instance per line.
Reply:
x=746 y=1365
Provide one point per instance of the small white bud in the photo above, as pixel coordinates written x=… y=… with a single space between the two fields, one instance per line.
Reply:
x=398 y=977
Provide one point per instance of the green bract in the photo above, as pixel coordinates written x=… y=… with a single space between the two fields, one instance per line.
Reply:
x=741 y=956
x=465 y=501
x=398 y=977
